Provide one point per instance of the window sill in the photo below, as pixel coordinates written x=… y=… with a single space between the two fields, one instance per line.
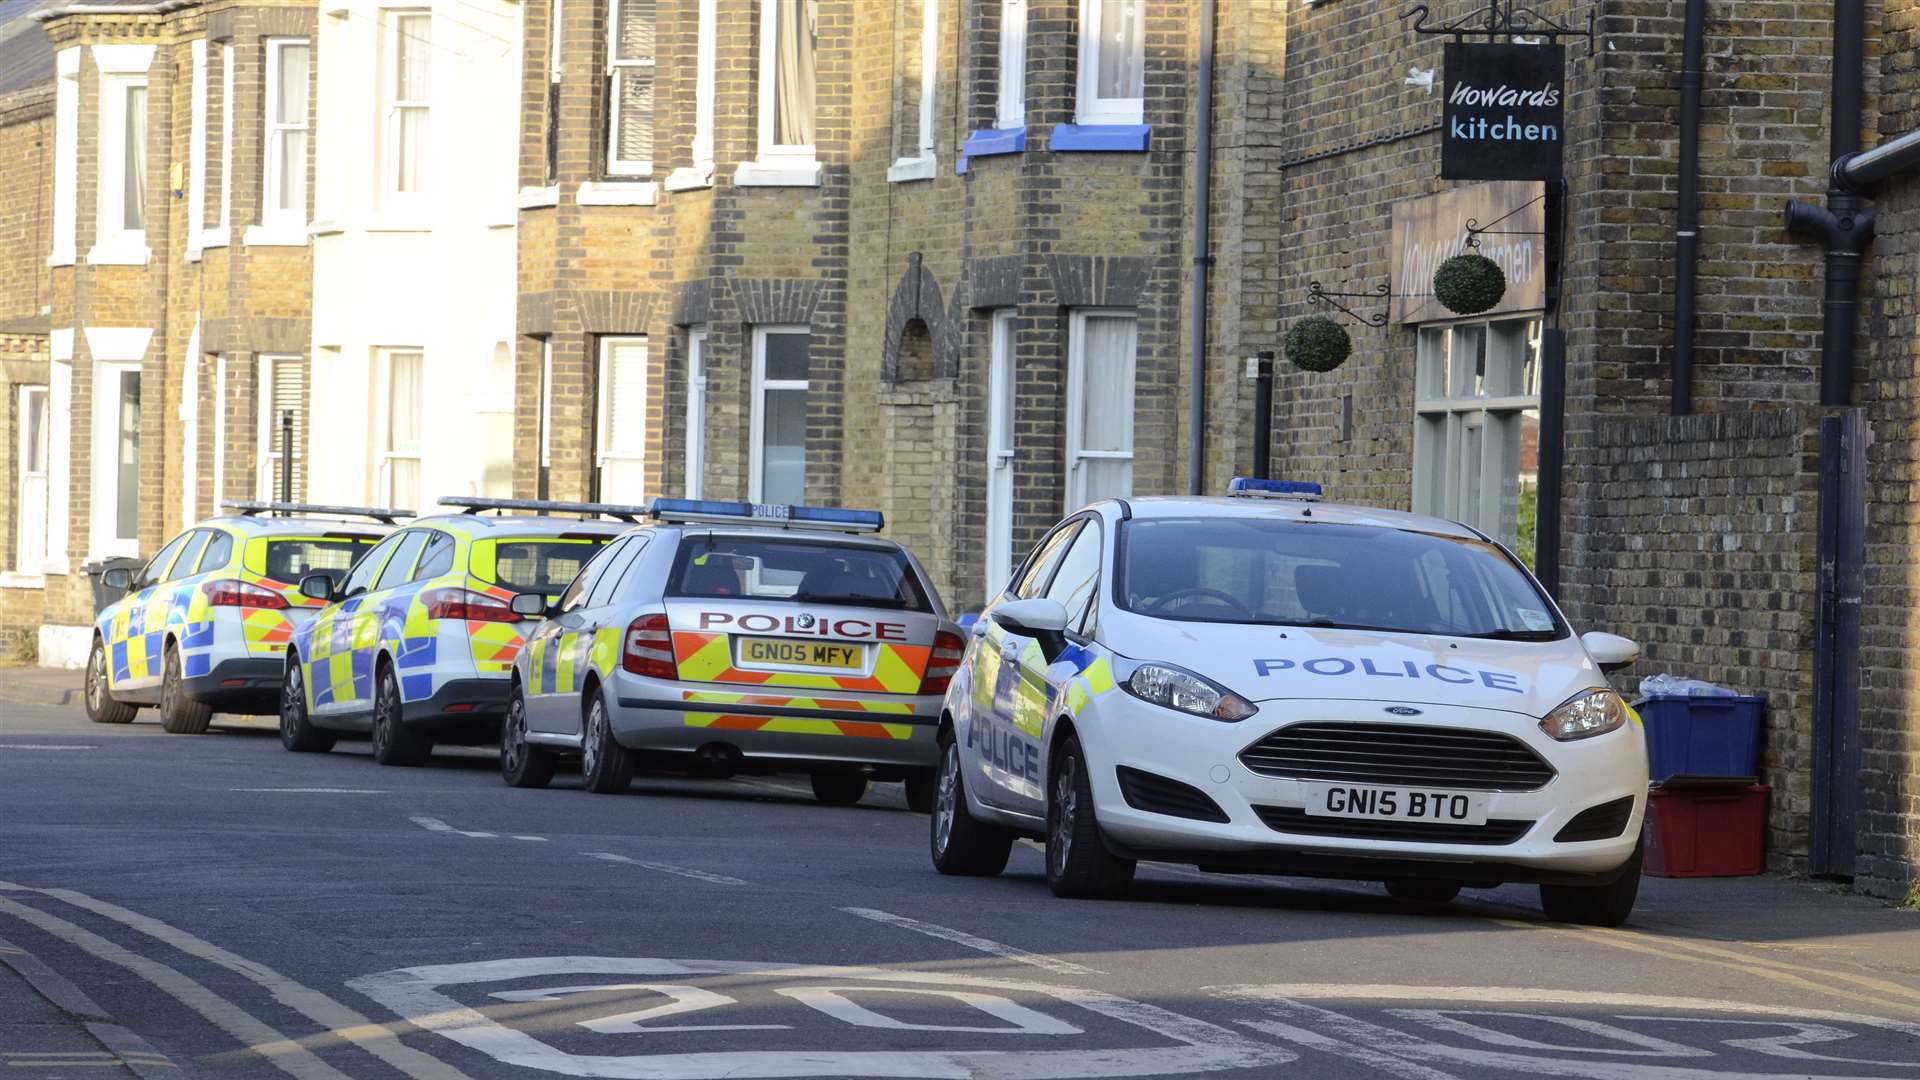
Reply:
x=796 y=172
x=326 y=228
x=120 y=255
x=397 y=225
x=990 y=142
x=617 y=193
x=62 y=257
x=213 y=238
x=55 y=568
x=193 y=252
x=690 y=179
x=275 y=236
x=1100 y=138
x=14 y=579
x=912 y=168
x=534 y=198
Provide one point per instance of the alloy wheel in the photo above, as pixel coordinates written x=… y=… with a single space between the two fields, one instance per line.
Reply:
x=292 y=696
x=96 y=678
x=1065 y=797
x=513 y=745
x=946 y=793
x=590 y=745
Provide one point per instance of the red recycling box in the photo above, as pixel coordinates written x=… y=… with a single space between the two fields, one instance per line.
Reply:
x=1706 y=831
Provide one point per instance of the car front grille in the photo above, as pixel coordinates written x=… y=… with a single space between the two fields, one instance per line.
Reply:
x=1292 y=819
x=1399 y=754
x=1159 y=795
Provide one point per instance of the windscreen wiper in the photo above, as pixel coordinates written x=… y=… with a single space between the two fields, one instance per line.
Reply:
x=1516 y=635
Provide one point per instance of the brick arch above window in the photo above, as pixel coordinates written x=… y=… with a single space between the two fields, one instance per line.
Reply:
x=918 y=298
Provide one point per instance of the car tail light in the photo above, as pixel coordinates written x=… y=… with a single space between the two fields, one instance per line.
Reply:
x=228 y=592
x=943 y=663
x=649 y=648
x=458 y=603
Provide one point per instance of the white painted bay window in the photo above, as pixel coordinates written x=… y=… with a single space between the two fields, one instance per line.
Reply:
x=696 y=464
x=778 y=444
x=284 y=207
x=401 y=419
x=116 y=458
x=1012 y=112
x=408 y=104
x=30 y=552
x=789 y=46
x=630 y=64
x=914 y=110
x=1112 y=84
x=1476 y=446
x=282 y=399
x=620 y=426
x=1101 y=348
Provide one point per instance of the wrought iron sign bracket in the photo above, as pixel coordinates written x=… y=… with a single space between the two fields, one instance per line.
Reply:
x=1502 y=19
x=1320 y=296
x=1475 y=230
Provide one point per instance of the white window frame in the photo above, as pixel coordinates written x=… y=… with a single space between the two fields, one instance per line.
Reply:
x=696 y=454
x=219 y=428
x=276 y=128
x=267 y=426
x=756 y=456
x=33 y=488
x=700 y=173
x=391 y=107
x=778 y=164
x=625 y=168
x=106 y=433
x=922 y=162
x=1091 y=107
x=197 y=152
x=385 y=454
x=1076 y=403
x=1001 y=402
x=603 y=419
x=66 y=157
x=1011 y=111
x=114 y=243
x=1445 y=420
x=546 y=403
x=219 y=234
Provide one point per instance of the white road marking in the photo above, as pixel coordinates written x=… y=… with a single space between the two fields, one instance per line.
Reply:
x=665 y=868
x=418 y=994
x=1800 y=1033
x=1453 y=1022
x=542 y=839
x=434 y=824
x=971 y=941
x=336 y=1018
x=1380 y=1063
x=42 y=746
x=832 y=1001
x=681 y=999
x=310 y=790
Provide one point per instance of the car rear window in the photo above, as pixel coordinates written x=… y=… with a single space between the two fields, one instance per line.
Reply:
x=545 y=565
x=289 y=560
x=797 y=570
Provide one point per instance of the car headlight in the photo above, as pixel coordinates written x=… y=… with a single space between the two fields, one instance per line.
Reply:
x=1178 y=688
x=1589 y=713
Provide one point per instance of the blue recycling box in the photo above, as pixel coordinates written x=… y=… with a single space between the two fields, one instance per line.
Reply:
x=1698 y=736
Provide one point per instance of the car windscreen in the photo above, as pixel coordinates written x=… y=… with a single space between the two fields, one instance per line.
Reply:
x=797 y=570
x=545 y=565
x=1302 y=573
x=292 y=558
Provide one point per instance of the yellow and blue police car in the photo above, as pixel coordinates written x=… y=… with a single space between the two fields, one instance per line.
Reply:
x=1270 y=684
x=204 y=623
x=729 y=636
x=415 y=645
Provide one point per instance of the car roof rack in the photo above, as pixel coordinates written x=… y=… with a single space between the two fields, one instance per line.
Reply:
x=380 y=514
x=777 y=515
x=474 y=504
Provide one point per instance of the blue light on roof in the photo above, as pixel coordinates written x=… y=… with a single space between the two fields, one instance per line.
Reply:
x=724 y=511
x=1256 y=488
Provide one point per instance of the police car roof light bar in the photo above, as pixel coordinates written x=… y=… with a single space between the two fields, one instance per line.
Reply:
x=473 y=504
x=724 y=512
x=383 y=515
x=1250 y=487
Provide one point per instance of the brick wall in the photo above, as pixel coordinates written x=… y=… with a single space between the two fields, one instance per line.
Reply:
x=26 y=203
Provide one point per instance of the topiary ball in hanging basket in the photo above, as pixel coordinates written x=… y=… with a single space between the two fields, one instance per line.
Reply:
x=1469 y=284
x=1317 y=343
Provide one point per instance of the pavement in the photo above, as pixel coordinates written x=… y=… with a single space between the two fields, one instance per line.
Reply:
x=246 y=912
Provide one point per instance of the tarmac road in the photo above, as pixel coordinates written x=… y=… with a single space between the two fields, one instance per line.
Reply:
x=213 y=906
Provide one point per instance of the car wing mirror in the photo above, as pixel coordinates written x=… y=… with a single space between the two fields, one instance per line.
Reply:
x=118 y=578
x=1039 y=618
x=1611 y=651
x=528 y=603
x=318 y=587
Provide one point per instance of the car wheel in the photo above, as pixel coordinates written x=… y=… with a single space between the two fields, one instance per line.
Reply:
x=297 y=733
x=180 y=714
x=101 y=708
x=522 y=764
x=1595 y=905
x=606 y=767
x=1423 y=891
x=962 y=846
x=394 y=743
x=839 y=787
x=1079 y=866
x=920 y=785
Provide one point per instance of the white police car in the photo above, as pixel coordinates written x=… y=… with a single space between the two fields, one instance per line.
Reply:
x=725 y=636
x=1272 y=685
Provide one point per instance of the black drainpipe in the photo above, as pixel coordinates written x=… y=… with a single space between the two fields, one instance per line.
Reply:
x=1202 y=258
x=1686 y=244
x=1845 y=224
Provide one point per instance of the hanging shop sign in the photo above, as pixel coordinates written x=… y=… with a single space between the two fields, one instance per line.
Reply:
x=1506 y=112
x=1507 y=221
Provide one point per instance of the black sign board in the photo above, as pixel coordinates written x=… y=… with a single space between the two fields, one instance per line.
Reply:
x=1506 y=112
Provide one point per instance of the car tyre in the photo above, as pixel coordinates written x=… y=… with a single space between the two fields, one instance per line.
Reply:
x=606 y=767
x=394 y=743
x=101 y=707
x=179 y=713
x=920 y=785
x=298 y=733
x=962 y=845
x=522 y=764
x=1424 y=891
x=1595 y=905
x=1079 y=866
x=839 y=787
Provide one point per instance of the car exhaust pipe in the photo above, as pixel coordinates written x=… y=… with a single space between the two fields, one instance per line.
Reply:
x=718 y=760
